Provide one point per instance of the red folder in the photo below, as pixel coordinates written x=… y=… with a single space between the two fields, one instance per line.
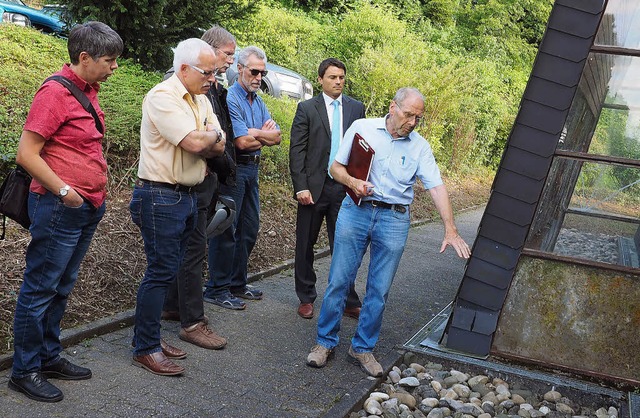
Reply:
x=360 y=161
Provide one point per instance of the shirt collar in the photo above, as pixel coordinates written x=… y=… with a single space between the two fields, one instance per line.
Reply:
x=382 y=125
x=328 y=100
x=77 y=80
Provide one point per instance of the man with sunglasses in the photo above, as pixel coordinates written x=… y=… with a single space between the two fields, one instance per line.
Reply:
x=178 y=131
x=382 y=220
x=184 y=301
x=253 y=129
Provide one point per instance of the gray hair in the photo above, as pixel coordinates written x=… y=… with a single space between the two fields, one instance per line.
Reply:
x=244 y=55
x=188 y=52
x=218 y=36
x=405 y=92
x=94 y=38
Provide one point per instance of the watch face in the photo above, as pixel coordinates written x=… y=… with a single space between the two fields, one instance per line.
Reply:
x=63 y=191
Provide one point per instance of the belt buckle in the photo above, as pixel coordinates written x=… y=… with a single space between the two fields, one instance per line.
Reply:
x=374 y=203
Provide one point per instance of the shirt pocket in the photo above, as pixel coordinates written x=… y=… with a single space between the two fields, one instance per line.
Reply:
x=402 y=168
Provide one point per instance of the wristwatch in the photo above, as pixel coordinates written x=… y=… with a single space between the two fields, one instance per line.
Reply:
x=219 y=133
x=64 y=191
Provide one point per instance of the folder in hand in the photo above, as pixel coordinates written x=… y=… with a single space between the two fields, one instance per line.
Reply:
x=360 y=161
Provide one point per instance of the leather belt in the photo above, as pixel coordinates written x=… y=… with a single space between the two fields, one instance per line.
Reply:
x=174 y=187
x=246 y=159
x=384 y=205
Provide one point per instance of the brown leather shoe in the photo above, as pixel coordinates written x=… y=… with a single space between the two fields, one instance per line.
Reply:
x=305 y=310
x=352 y=312
x=171 y=351
x=158 y=363
x=201 y=335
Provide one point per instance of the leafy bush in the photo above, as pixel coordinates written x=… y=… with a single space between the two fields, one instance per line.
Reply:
x=275 y=160
x=150 y=29
x=22 y=72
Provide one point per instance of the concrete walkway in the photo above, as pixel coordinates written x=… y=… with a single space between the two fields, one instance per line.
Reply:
x=262 y=371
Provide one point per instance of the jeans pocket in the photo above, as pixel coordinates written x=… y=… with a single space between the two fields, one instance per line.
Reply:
x=165 y=197
x=135 y=208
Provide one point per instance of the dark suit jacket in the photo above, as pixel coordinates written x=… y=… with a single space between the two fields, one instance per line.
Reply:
x=311 y=141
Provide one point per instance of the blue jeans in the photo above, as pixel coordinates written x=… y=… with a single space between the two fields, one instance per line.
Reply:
x=166 y=219
x=229 y=252
x=60 y=238
x=385 y=231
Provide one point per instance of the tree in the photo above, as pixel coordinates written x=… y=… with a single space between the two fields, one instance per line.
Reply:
x=150 y=28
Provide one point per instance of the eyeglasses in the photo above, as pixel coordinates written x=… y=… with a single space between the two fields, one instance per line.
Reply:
x=228 y=55
x=410 y=115
x=207 y=74
x=255 y=72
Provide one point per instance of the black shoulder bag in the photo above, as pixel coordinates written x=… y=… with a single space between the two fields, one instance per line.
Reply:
x=14 y=192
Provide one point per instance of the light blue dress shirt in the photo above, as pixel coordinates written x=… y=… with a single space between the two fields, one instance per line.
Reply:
x=397 y=162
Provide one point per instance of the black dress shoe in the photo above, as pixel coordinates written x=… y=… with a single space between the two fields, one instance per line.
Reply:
x=36 y=387
x=65 y=370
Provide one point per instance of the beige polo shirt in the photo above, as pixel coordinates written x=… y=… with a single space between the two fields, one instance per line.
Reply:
x=169 y=113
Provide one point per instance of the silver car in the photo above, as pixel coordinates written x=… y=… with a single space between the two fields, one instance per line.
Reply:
x=279 y=81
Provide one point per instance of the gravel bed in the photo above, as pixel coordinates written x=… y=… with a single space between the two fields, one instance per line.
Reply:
x=422 y=389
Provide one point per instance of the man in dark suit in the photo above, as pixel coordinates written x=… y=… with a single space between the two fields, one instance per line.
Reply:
x=317 y=130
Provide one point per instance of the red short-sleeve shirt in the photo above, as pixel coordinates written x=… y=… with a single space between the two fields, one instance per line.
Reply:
x=73 y=144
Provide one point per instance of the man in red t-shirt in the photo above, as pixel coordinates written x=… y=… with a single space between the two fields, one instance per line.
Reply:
x=61 y=147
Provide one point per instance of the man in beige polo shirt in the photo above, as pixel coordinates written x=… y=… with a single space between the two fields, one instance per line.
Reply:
x=178 y=131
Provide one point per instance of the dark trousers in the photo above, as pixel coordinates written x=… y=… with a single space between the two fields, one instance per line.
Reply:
x=308 y=223
x=185 y=293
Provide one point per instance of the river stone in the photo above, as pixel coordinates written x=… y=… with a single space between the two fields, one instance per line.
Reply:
x=409 y=372
x=462 y=377
x=379 y=396
x=409 y=381
x=372 y=406
x=471 y=409
x=410 y=357
x=418 y=367
x=430 y=402
x=394 y=376
x=613 y=412
x=497 y=381
x=450 y=381
x=545 y=409
x=517 y=399
x=406 y=399
x=501 y=397
x=454 y=404
x=450 y=394
x=481 y=389
x=487 y=407
x=552 y=396
x=435 y=413
x=524 y=413
x=564 y=408
x=433 y=366
x=425 y=391
x=536 y=414
x=484 y=415
x=490 y=397
x=478 y=380
x=462 y=390
x=437 y=386
x=507 y=404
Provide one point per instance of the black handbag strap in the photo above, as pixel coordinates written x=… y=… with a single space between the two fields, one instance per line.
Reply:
x=80 y=96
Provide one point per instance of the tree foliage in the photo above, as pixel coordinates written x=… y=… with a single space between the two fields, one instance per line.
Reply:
x=150 y=28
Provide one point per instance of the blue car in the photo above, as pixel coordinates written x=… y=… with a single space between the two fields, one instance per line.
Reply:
x=16 y=12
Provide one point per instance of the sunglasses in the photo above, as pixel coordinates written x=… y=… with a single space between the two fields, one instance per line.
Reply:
x=255 y=72
x=207 y=74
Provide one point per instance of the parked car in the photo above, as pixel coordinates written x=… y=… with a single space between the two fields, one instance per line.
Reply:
x=279 y=81
x=16 y=12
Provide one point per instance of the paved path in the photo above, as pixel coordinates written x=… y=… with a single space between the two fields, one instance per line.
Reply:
x=262 y=371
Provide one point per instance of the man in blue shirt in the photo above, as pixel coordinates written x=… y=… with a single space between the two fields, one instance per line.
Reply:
x=381 y=219
x=253 y=129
